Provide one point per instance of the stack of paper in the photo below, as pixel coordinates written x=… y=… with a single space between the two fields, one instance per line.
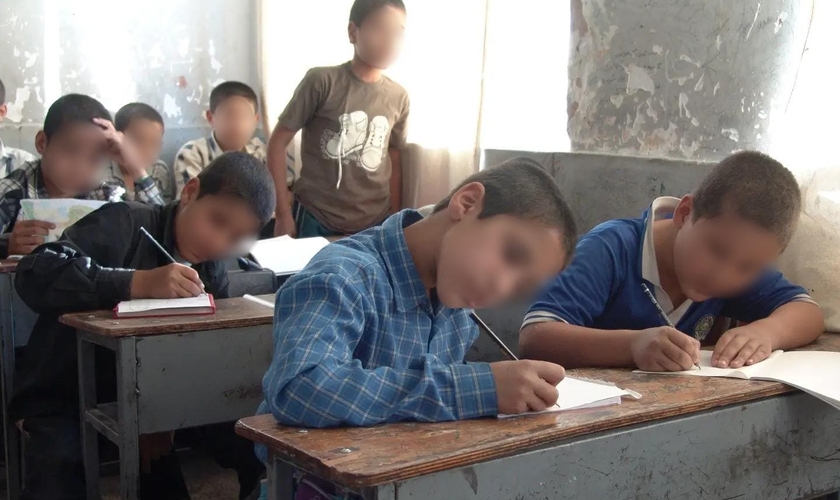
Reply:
x=285 y=255
x=144 y=308
x=577 y=394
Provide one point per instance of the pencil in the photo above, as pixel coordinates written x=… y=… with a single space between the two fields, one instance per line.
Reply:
x=482 y=325
x=158 y=245
x=661 y=312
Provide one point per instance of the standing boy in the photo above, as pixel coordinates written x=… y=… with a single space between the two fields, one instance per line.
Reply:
x=233 y=116
x=143 y=126
x=354 y=125
x=102 y=260
x=10 y=158
x=77 y=138
x=704 y=256
x=375 y=328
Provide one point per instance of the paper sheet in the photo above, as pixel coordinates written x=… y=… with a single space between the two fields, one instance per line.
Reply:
x=285 y=255
x=576 y=394
x=707 y=370
x=61 y=212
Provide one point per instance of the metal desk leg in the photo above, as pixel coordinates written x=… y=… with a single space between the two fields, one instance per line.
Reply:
x=128 y=419
x=87 y=401
x=281 y=483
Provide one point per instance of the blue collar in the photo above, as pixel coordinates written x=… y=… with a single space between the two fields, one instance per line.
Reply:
x=409 y=291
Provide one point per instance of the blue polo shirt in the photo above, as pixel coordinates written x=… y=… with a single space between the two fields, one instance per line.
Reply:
x=602 y=286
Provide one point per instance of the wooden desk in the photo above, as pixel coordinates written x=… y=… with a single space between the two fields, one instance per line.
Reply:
x=172 y=373
x=687 y=438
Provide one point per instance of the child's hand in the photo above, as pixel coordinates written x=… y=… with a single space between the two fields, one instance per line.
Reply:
x=526 y=385
x=742 y=346
x=665 y=349
x=121 y=151
x=169 y=282
x=284 y=224
x=28 y=235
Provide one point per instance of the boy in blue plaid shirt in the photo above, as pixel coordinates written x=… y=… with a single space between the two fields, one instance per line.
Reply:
x=376 y=327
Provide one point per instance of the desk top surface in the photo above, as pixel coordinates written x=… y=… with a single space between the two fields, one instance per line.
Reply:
x=396 y=452
x=230 y=313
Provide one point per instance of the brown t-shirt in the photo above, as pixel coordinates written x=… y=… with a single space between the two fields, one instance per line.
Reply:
x=348 y=126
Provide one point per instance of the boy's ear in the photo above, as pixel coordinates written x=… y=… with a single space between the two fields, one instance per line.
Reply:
x=4 y=109
x=190 y=191
x=353 y=32
x=41 y=142
x=468 y=199
x=682 y=214
x=209 y=116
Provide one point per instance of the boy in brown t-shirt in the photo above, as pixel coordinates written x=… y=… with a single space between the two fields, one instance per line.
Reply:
x=354 y=124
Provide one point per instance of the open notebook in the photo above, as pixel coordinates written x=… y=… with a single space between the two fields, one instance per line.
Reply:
x=814 y=372
x=285 y=255
x=578 y=393
x=146 y=308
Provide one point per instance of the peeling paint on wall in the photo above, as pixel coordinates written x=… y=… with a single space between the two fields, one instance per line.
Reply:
x=678 y=91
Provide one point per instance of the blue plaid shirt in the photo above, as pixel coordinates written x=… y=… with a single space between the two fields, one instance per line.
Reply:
x=359 y=342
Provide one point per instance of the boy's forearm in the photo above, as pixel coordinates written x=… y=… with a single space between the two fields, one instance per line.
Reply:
x=794 y=324
x=396 y=180
x=576 y=346
x=278 y=143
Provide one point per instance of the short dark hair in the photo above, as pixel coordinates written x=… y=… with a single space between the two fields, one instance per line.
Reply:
x=522 y=188
x=755 y=187
x=226 y=90
x=2 y=93
x=241 y=176
x=363 y=8
x=73 y=108
x=135 y=111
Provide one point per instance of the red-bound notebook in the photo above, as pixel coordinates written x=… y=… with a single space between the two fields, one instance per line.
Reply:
x=202 y=305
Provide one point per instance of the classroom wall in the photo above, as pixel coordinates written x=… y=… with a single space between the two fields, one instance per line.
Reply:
x=687 y=79
x=163 y=52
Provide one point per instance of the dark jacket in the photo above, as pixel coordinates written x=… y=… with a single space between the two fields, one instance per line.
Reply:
x=89 y=268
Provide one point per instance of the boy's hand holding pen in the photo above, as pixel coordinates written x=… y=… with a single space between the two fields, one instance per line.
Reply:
x=168 y=282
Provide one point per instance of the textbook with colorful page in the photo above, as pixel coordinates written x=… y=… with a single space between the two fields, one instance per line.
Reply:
x=814 y=372
x=580 y=393
x=203 y=305
x=285 y=255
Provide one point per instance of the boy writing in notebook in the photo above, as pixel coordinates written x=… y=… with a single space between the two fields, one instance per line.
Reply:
x=375 y=328
x=143 y=126
x=233 y=116
x=105 y=259
x=10 y=158
x=704 y=256
x=354 y=125
x=77 y=138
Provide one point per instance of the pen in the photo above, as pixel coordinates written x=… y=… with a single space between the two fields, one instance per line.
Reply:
x=160 y=248
x=661 y=312
x=158 y=245
x=482 y=325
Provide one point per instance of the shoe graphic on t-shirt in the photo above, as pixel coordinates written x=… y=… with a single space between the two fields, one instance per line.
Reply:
x=351 y=137
x=374 y=149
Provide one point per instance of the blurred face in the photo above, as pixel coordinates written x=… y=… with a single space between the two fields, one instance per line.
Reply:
x=234 y=122
x=722 y=256
x=379 y=39
x=147 y=137
x=213 y=227
x=484 y=262
x=72 y=158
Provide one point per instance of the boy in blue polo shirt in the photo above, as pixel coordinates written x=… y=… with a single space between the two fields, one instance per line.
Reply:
x=705 y=256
